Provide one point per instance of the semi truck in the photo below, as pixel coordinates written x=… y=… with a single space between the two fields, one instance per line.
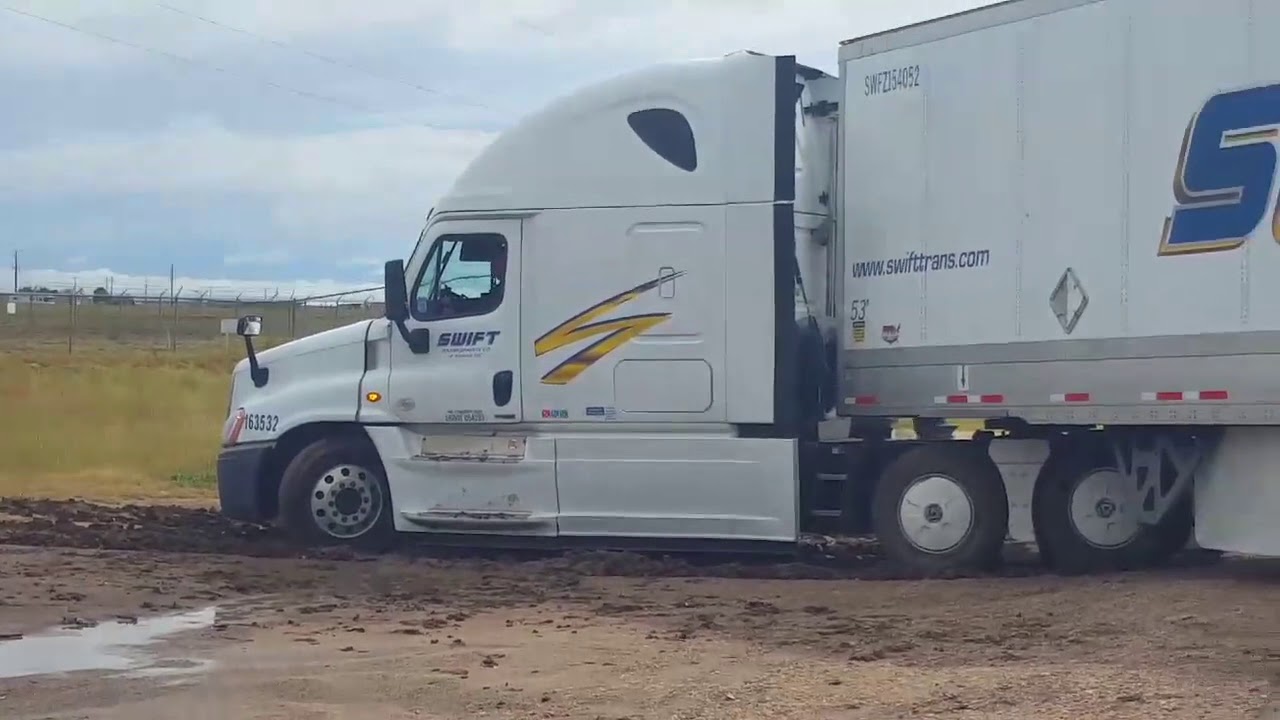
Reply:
x=689 y=307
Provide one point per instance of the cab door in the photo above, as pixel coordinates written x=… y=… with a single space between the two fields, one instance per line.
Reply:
x=465 y=295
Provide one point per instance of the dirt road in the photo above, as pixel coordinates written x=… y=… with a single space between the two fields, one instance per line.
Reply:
x=260 y=630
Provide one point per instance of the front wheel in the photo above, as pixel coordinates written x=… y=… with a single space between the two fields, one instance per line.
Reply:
x=333 y=492
x=942 y=508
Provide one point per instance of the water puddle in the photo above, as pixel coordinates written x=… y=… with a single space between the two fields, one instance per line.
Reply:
x=116 y=645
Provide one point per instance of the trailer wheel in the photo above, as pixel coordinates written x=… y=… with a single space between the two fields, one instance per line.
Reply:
x=1086 y=521
x=941 y=508
x=333 y=492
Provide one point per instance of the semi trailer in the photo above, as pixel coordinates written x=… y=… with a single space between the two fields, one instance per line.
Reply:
x=687 y=307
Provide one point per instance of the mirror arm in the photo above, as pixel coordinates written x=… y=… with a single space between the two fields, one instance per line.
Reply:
x=259 y=374
x=397 y=308
x=419 y=341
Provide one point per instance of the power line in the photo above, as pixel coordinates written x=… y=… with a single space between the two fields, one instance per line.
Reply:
x=206 y=66
x=536 y=28
x=324 y=58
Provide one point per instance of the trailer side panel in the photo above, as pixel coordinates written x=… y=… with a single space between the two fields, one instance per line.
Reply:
x=1014 y=243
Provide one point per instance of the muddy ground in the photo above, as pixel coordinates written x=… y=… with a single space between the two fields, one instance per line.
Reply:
x=278 y=633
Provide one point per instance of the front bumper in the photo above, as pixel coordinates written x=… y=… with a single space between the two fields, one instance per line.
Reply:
x=240 y=482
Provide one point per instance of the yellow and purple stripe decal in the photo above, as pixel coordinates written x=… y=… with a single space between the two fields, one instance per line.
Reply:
x=617 y=332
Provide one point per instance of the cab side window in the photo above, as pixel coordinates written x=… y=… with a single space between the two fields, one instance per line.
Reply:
x=464 y=276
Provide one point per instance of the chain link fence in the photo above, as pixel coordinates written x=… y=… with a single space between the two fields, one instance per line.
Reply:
x=80 y=319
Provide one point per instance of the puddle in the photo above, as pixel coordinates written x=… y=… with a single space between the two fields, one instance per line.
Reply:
x=111 y=645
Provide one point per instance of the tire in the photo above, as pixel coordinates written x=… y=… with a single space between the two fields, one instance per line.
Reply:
x=1085 y=540
x=951 y=477
x=334 y=492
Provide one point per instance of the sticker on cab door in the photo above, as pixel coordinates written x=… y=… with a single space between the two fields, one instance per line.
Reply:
x=467 y=343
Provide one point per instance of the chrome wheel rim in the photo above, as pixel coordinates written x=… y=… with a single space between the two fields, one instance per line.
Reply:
x=346 y=501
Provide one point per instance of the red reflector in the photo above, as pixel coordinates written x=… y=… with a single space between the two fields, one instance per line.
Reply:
x=1213 y=395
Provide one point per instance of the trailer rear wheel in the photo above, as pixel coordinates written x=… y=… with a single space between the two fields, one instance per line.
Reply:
x=941 y=508
x=333 y=493
x=1086 y=516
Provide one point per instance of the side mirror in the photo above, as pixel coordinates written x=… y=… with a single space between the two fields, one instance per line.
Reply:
x=249 y=326
x=397 y=300
x=394 y=291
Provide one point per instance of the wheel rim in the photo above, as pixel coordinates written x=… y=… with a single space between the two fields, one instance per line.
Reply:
x=1101 y=512
x=935 y=514
x=346 y=501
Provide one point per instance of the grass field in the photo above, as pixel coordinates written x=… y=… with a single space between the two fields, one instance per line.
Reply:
x=126 y=402
x=111 y=423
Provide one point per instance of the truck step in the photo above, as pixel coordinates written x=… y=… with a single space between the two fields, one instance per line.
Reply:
x=833 y=483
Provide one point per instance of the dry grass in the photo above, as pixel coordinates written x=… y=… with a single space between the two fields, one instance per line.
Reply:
x=112 y=424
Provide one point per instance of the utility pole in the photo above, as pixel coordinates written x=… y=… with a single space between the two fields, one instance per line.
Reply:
x=15 y=272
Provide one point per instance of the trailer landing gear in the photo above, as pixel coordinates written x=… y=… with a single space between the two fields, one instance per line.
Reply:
x=941 y=508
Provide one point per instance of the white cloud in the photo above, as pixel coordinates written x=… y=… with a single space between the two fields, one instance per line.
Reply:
x=314 y=182
x=369 y=186
x=651 y=28
x=210 y=158
x=811 y=29
x=274 y=256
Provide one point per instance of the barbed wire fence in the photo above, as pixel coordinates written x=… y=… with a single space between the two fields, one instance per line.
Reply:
x=159 y=318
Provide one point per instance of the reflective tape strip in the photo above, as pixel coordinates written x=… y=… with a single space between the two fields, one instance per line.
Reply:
x=863 y=400
x=1075 y=397
x=969 y=399
x=1185 y=395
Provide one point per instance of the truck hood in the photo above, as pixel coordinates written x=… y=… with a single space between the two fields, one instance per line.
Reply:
x=327 y=340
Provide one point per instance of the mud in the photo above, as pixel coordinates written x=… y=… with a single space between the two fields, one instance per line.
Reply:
x=431 y=634
x=78 y=524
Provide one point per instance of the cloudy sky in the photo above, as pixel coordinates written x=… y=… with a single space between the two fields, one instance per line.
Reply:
x=296 y=144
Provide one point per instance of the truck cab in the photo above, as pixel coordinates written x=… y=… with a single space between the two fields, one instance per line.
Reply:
x=617 y=324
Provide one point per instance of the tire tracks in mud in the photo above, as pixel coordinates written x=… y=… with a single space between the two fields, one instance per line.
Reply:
x=173 y=529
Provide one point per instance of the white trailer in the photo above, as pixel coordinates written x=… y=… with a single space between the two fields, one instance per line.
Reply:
x=638 y=314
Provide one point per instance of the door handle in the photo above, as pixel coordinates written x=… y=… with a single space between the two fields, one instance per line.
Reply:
x=502 y=386
x=667 y=286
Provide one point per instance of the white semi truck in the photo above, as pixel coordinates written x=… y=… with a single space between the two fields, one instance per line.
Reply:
x=636 y=316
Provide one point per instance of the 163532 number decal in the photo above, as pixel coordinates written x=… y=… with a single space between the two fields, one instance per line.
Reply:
x=261 y=422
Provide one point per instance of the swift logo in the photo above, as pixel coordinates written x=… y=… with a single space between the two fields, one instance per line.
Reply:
x=1225 y=178
x=617 y=332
